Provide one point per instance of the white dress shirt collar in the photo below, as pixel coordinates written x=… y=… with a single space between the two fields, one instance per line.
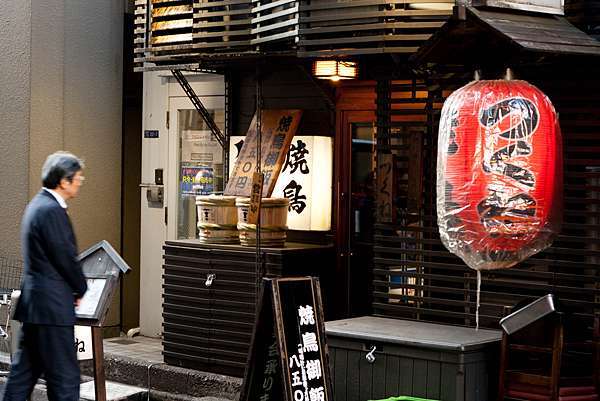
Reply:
x=58 y=198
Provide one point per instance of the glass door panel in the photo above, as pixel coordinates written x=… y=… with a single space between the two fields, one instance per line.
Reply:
x=362 y=214
x=200 y=165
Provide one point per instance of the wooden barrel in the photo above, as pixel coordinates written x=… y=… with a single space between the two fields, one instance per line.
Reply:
x=273 y=222
x=217 y=219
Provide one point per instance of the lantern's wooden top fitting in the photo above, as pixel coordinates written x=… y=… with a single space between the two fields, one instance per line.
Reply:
x=501 y=34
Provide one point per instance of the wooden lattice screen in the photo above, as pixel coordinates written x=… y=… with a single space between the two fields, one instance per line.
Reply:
x=415 y=277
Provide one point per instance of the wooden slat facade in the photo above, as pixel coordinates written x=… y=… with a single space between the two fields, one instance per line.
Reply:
x=139 y=33
x=172 y=33
x=209 y=327
x=585 y=14
x=222 y=25
x=176 y=32
x=415 y=277
x=171 y=23
x=330 y=28
x=274 y=23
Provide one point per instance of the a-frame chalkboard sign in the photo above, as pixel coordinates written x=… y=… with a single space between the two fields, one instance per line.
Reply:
x=288 y=359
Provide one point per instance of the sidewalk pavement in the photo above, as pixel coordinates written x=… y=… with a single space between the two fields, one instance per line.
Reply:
x=138 y=362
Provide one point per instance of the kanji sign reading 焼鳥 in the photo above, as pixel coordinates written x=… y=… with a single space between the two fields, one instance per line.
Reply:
x=278 y=128
x=499 y=178
x=305 y=179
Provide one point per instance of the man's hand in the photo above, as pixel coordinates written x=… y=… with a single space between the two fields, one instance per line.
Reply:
x=77 y=302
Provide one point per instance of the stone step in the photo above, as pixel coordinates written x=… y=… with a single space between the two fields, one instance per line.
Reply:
x=166 y=382
x=114 y=392
x=39 y=394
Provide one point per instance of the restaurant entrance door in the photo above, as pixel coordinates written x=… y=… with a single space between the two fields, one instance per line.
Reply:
x=355 y=193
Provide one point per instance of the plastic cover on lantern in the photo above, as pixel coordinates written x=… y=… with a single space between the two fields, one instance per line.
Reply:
x=499 y=173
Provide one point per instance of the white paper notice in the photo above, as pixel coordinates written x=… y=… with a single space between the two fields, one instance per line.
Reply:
x=90 y=300
x=83 y=342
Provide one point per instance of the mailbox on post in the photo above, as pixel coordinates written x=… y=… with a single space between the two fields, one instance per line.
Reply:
x=102 y=267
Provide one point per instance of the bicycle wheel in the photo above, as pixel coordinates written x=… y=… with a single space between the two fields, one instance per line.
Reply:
x=5 y=341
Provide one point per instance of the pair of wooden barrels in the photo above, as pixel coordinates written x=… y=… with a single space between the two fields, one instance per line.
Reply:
x=224 y=220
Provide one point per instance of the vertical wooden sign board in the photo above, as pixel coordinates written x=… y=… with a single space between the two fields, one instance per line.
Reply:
x=278 y=129
x=255 y=198
x=288 y=358
x=385 y=188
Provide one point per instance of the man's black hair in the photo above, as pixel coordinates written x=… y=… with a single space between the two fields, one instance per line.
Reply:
x=60 y=165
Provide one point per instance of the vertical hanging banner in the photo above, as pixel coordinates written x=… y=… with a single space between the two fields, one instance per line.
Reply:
x=288 y=358
x=255 y=197
x=385 y=188
x=278 y=128
x=306 y=180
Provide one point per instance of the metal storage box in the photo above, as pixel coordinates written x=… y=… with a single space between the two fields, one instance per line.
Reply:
x=411 y=358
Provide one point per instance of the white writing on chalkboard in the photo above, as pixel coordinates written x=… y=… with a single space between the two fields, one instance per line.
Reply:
x=309 y=341
x=307 y=315
x=305 y=365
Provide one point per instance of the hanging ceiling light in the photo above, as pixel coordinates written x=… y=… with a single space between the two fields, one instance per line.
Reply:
x=335 y=70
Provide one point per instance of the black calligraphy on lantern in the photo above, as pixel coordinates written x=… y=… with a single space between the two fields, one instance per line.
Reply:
x=297 y=201
x=296 y=158
x=238 y=146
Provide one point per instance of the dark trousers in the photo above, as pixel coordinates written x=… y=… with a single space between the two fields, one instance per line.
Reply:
x=49 y=350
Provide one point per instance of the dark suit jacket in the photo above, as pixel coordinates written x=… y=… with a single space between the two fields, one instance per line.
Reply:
x=52 y=278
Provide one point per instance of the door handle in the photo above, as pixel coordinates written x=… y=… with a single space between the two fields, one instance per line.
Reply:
x=371 y=355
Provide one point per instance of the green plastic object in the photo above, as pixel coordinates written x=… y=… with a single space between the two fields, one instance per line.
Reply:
x=405 y=398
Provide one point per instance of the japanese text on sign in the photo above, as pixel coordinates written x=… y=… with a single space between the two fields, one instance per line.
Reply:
x=305 y=365
x=270 y=371
x=277 y=129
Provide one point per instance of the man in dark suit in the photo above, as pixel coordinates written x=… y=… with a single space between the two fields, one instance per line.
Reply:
x=53 y=284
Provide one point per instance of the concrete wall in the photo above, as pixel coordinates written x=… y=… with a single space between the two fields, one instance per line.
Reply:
x=63 y=90
x=15 y=23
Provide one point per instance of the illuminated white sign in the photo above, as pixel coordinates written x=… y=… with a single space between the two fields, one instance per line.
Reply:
x=305 y=179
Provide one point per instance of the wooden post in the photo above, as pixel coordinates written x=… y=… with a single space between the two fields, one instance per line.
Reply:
x=503 y=367
x=556 y=359
x=98 y=354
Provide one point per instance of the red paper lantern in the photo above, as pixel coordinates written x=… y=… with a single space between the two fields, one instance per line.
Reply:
x=499 y=177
